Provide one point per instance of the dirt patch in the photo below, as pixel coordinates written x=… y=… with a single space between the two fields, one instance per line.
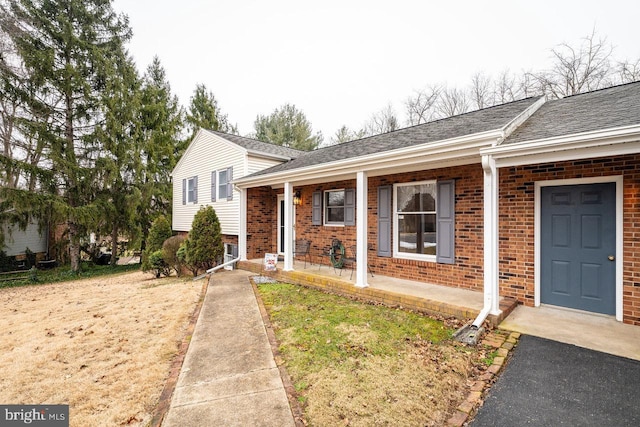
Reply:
x=104 y=345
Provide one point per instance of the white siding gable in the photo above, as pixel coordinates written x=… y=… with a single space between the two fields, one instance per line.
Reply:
x=207 y=153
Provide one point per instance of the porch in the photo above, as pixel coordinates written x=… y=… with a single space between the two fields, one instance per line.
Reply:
x=424 y=297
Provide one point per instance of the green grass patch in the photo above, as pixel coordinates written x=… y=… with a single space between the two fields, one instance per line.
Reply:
x=64 y=273
x=317 y=329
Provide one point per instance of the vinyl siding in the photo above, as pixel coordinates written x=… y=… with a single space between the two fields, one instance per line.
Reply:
x=207 y=153
x=18 y=240
x=256 y=164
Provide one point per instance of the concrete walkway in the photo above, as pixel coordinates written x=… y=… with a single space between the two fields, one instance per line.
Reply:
x=229 y=376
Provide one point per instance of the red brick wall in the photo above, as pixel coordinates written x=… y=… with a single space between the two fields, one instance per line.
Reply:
x=467 y=272
x=517 y=254
x=261 y=221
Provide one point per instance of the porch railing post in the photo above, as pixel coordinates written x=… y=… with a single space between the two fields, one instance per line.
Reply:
x=288 y=226
x=361 y=229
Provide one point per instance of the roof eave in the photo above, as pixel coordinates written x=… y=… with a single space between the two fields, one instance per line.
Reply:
x=432 y=152
x=580 y=145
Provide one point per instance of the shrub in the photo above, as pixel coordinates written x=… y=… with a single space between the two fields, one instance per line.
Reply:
x=182 y=257
x=170 y=249
x=204 y=246
x=159 y=232
x=158 y=266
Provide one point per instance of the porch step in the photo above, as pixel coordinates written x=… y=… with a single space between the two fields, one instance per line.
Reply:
x=392 y=299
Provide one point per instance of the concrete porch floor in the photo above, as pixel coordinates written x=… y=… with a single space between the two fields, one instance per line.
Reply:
x=593 y=331
x=443 y=300
x=596 y=332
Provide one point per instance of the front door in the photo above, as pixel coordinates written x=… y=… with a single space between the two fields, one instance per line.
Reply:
x=578 y=240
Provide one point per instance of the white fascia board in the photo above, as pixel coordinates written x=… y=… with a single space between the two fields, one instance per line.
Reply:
x=264 y=155
x=587 y=144
x=433 y=152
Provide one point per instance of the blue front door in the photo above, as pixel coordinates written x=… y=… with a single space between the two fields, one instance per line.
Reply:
x=578 y=240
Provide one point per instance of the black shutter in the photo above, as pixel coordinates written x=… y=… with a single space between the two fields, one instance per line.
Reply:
x=385 y=195
x=316 y=208
x=446 y=224
x=350 y=206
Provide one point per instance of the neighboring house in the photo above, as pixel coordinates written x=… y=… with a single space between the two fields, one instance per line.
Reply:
x=535 y=200
x=16 y=241
x=203 y=177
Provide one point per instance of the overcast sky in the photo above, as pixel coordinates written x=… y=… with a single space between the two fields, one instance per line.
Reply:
x=341 y=61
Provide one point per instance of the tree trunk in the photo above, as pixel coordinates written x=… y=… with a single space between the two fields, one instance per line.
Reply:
x=114 y=245
x=74 y=246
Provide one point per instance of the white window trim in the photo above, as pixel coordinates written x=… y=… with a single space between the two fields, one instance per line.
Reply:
x=394 y=235
x=325 y=206
x=218 y=185
x=190 y=194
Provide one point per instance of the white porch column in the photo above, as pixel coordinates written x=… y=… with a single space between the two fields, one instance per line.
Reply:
x=491 y=276
x=361 y=229
x=242 y=229
x=288 y=226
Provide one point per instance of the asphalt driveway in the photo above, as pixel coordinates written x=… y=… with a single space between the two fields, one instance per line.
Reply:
x=547 y=383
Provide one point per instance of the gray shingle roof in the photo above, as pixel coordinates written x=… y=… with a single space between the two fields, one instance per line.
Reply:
x=259 y=146
x=598 y=110
x=484 y=120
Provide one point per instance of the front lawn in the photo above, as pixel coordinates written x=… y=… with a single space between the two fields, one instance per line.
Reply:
x=361 y=364
x=103 y=345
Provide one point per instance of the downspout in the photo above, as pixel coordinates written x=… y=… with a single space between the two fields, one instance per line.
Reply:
x=490 y=175
x=216 y=268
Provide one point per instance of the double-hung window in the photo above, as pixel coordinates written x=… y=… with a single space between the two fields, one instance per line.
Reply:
x=222 y=184
x=334 y=202
x=190 y=190
x=415 y=220
x=221 y=188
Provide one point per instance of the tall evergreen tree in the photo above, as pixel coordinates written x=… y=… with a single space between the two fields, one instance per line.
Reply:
x=289 y=127
x=119 y=196
x=161 y=145
x=65 y=46
x=204 y=112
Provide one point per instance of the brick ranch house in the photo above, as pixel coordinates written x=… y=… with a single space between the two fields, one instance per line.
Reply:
x=536 y=200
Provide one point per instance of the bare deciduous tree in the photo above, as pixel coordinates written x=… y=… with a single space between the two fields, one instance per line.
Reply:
x=480 y=91
x=452 y=101
x=383 y=121
x=578 y=69
x=629 y=71
x=420 y=107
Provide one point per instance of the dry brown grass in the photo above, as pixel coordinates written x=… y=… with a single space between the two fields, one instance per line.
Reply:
x=102 y=345
x=418 y=387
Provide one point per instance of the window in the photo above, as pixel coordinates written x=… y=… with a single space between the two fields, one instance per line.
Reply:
x=190 y=190
x=334 y=207
x=222 y=184
x=415 y=220
x=221 y=187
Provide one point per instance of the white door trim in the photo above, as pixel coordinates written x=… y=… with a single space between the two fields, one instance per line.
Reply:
x=279 y=214
x=619 y=181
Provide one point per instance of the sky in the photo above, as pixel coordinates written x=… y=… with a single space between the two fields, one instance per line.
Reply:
x=341 y=61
